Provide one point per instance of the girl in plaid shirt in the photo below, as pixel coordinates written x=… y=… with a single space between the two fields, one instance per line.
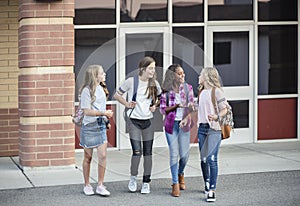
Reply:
x=176 y=104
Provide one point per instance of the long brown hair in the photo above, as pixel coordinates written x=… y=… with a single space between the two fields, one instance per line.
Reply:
x=151 y=88
x=170 y=82
x=90 y=80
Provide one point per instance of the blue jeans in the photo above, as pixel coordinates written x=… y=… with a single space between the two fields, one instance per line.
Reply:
x=209 y=143
x=141 y=143
x=179 y=146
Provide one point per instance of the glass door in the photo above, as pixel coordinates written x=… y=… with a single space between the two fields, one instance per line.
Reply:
x=134 y=44
x=230 y=50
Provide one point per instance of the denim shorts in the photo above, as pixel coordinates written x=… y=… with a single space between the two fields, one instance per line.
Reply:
x=93 y=134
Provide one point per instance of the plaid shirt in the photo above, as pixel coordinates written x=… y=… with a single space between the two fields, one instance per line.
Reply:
x=170 y=117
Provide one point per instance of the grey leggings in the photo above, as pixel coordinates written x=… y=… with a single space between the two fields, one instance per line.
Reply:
x=141 y=143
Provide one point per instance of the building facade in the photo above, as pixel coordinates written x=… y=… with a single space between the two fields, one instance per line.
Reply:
x=47 y=44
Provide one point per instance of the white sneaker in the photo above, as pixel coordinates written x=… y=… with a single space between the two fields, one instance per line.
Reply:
x=101 y=190
x=132 y=185
x=88 y=190
x=145 y=188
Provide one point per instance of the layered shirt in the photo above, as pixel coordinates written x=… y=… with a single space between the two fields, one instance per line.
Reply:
x=186 y=99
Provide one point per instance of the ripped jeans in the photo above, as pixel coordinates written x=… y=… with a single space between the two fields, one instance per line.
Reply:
x=209 y=143
x=141 y=143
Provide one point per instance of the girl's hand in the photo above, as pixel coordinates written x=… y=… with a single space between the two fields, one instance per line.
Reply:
x=108 y=126
x=183 y=123
x=153 y=108
x=108 y=113
x=213 y=117
x=130 y=104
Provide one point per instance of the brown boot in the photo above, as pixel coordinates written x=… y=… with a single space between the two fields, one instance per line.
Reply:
x=175 y=190
x=181 y=182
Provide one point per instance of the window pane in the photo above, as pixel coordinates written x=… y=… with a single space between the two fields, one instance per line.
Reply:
x=277 y=10
x=188 y=11
x=277 y=59
x=230 y=10
x=143 y=10
x=140 y=45
x=95 y=12
x=231 y=57
x=188 y=47
x=240 y=110
x=95 y=46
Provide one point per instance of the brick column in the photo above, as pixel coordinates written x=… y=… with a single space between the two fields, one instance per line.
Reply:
x=46 y=83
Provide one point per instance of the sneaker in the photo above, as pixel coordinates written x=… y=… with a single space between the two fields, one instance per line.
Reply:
x=132 y=185
x=206 y=188
x=211 y=196
x=101 y=190
x=88 y=190
x=145 y=188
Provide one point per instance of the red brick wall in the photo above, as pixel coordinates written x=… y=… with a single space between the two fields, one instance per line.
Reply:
x=46 y=83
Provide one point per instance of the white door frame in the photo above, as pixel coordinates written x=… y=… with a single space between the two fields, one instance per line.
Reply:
x=122 y=137
x=243 y=135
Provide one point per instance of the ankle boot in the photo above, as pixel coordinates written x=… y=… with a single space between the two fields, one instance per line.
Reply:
x=181 y=182
x=175 y=190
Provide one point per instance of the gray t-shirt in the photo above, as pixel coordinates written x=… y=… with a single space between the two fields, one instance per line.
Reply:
x=142 y=108
x=99 y=104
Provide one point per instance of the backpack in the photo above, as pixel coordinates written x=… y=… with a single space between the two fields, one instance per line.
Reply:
x=135 y=86
x=77 y=117
x=226 y=122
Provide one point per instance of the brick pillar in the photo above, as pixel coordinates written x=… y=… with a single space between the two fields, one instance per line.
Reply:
x=46 y=83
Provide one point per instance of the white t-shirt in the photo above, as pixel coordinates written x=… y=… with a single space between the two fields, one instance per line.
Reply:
x=179 y=111
x=99 y=104
x=142 y=108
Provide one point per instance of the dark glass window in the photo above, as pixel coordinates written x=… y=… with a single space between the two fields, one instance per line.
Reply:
x=95 y=46
x=277 y=10
x=240 y=110
x=231 y=57
x=95 y=12
x=222 y=53
x=277 y=59
x=143 y=11
x=188 y=44
x=188 y=11
x=230 y=10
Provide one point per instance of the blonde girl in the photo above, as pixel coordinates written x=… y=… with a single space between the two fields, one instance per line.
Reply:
x=93 y=95
x=209 y=131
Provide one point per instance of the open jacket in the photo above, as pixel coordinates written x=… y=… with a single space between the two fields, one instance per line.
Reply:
x=185 y=100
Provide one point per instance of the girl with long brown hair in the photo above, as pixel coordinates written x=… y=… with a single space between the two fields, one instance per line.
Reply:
x=141 y=109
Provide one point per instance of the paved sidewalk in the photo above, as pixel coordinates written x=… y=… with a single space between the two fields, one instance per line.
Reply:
x=233 y=159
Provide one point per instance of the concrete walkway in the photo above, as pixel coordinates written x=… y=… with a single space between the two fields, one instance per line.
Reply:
x=233 y=159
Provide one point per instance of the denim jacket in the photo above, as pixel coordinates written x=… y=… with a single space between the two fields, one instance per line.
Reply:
x=170 y=117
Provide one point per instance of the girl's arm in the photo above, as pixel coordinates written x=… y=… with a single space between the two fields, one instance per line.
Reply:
x=90 y=112
x=120 y=99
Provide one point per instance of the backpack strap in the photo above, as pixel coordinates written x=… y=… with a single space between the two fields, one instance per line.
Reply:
x=167 y=99
x=135 y=86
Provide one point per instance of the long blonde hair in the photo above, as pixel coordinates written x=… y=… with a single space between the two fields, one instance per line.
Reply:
x=90 y=80
x=211 y=76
